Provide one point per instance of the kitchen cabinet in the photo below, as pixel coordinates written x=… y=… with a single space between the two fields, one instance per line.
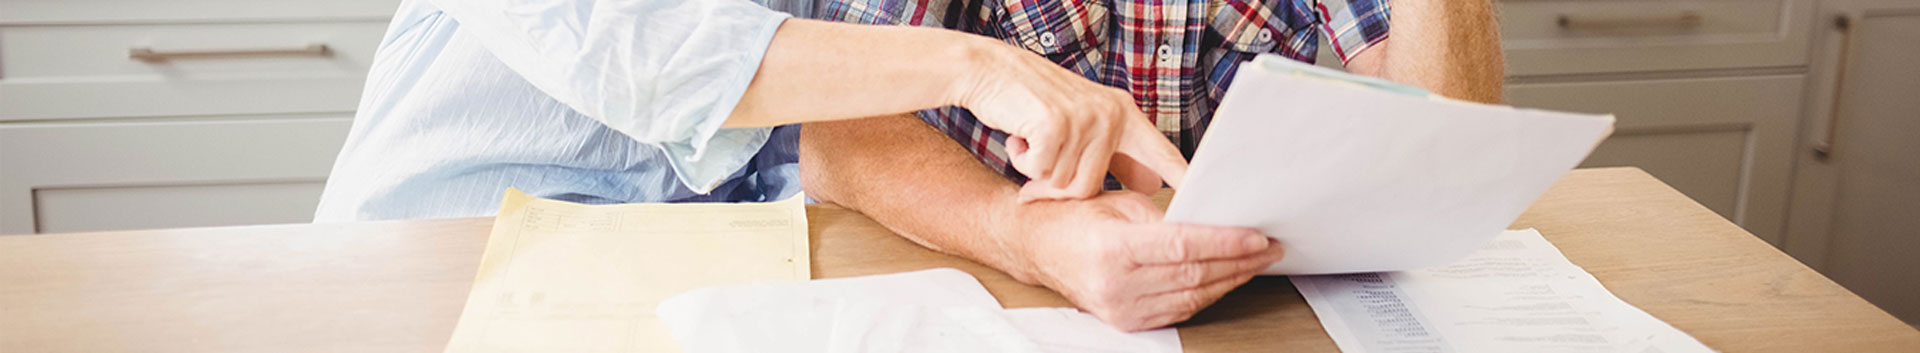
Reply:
x=155 y=173
x=1707 y=92
x=1855 y=210
x=129 y=114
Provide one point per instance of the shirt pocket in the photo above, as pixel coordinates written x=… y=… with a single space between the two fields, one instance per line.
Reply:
x=1054 y=28
x=1255 y=26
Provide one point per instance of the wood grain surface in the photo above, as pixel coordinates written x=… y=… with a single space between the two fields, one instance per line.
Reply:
x=399 y=286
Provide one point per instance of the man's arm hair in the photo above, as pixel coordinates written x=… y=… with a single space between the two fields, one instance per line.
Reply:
x=915 y=181
x=1449 y=47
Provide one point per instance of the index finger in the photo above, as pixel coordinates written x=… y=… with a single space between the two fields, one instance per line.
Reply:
x=1146 y=145
x=1165 y=243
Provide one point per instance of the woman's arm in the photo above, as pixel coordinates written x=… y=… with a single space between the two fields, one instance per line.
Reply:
x=1067 y=127
x=677 y=73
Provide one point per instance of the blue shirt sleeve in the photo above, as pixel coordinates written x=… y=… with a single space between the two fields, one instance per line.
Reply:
x=664 y=72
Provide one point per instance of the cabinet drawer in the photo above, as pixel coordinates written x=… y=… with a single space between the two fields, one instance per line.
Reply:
x=87 y=176
x=95 y=209
x=1547 y=37
x=90 y=71
x=121 y=11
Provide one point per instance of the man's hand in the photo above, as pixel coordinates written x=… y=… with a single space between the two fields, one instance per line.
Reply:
x=1109 y=255
x=1065 y=128
x=1112 y=257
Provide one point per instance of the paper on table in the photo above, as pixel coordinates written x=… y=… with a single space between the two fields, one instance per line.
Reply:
x=941 y=310
x=1353 y=175
x=1065 y=330
x=559 y=276
x=1518 y=294
x=799 y=316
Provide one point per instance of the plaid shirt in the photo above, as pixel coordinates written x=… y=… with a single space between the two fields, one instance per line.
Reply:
x=1176 y=56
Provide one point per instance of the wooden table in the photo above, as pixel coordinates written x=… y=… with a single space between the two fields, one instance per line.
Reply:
x=399 y=286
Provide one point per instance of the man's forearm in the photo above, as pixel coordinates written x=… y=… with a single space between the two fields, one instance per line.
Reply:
x=1449 y=47
x=914 y=180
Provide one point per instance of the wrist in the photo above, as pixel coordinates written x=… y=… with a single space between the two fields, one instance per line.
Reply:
x=967 y=73
x=1015 y=229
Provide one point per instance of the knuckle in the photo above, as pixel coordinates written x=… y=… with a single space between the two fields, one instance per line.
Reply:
x=1192 y=301
x=1178 y=247
x=1192 y=274
x=1174 y=249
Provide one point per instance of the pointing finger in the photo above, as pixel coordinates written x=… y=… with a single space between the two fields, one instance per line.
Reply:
x=1133 y=174
x=1146 y=145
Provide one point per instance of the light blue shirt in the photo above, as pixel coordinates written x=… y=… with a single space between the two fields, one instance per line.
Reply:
x=593 y=101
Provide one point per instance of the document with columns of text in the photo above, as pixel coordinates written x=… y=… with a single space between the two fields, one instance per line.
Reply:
x=1517 y=294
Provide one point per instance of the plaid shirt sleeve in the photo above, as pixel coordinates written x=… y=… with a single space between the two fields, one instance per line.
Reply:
x=986 y=144
x=1355 y=27
x=1289 y=28
x=1292 y=28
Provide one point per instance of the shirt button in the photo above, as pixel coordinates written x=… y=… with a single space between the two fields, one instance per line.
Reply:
x=1263 y=36
x=1166 y=53
x=1046 y=39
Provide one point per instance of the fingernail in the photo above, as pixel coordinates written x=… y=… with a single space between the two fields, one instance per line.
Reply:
x=1256 y=243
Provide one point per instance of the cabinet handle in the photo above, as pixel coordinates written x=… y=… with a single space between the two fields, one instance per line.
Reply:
x=1823 y=147
x=151 y=56
x=1687 y=19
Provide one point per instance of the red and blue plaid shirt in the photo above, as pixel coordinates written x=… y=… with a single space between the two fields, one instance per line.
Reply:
x=1177 y=57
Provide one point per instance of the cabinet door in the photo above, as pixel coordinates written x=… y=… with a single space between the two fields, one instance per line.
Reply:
x=91 y=176
x=1724 y=141
x=1856 y=202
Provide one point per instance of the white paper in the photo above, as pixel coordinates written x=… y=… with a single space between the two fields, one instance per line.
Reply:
x=1518 y=294
x=941 y=310
x=799 y=316
x=1065 y=330
x=1356 y=175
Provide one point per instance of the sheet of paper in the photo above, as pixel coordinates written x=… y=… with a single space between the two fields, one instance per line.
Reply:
x=801 y=316
x=1066 y=330
x=1354 y=175
x=941 y=310
x=565 y=277
x=1518 y=294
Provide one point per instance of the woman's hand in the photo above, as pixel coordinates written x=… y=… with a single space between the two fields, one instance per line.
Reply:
x=1066 y=130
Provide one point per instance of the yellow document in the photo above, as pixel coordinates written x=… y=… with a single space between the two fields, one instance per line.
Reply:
x=565 y=277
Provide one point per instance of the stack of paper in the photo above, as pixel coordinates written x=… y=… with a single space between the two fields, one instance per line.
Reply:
x=565 y=277
x=940 y=310
x=1354 y=174
x=1518 y=294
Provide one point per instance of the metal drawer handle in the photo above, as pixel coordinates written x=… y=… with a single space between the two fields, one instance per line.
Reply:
x=149 y=55
x=1823 y=147
x=1688 y=19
